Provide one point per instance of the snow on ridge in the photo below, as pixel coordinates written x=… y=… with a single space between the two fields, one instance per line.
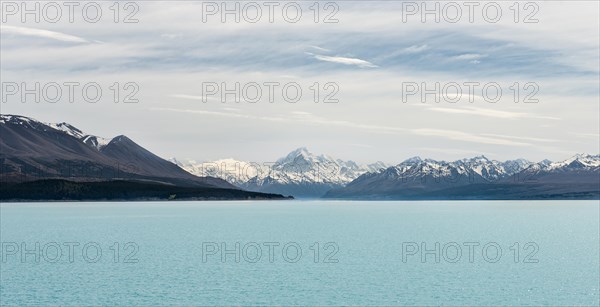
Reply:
x=95 y=141
x=299 y=166
x=92 y=140
x=480 y=165
x=89 y=139
x=18 y=119
x=68 y=129
x=5 y=118
x=586 y=160
x=302 y=166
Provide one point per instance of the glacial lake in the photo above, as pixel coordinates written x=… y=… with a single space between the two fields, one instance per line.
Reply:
x=300 y=253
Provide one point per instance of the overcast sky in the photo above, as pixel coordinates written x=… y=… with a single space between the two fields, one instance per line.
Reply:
x=367 y=55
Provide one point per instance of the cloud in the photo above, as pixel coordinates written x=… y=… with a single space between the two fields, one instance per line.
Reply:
x=588 y=135
x=301 y=113
x=467 y=137
x=296 y=116
x=360 y=145
x=171 y=35
x=222 y=114
x=414 y=49
x=470 y=56
x=492 y=113
x=522 y=138
x=320 y=48
x=42 y=33
x=452 y=150
x=192 y=97
x=309 y=118
x=345 y=61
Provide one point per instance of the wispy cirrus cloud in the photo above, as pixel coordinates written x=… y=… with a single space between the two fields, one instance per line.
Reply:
x=320 y=48
x=456 y=151
x=469 y=56
x=492 y=113
x=232 y=114
x=473 y=58
x=345 y=61
x=414 y=49
x=467 y=137
x=311 y=119
x=192 y=97
x=295 y=116
x=588 y=135
x=520 y=138
x=6 y=29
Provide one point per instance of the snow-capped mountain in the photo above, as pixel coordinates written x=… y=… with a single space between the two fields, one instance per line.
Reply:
x=575 y=168
x=469 y=170
x=300 y=173
x=578 y=161
x=515 y=166
x=478 y=177
x=301 y=166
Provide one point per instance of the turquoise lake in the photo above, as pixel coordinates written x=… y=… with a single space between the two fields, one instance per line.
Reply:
x=300 y=253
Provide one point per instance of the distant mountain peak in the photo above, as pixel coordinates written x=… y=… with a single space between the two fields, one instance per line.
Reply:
x=300 y=151
x=580 y=160
x=584 y=156
x=479 y=158
x=415 y=159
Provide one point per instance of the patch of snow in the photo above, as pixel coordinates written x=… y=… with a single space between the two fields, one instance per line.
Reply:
x=95 y=141
x=68 y=129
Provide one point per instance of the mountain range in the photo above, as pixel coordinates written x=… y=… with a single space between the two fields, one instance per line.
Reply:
x=479 y=178
x=307 y=175
x=31 y=150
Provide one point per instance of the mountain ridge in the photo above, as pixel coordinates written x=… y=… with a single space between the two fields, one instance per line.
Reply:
x=32 y=150
x=304 y=174
x=479 y=178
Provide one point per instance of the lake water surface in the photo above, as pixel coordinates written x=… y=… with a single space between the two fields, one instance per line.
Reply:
x=300 y=253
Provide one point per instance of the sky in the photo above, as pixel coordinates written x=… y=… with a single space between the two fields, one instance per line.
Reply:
x=371 y=61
